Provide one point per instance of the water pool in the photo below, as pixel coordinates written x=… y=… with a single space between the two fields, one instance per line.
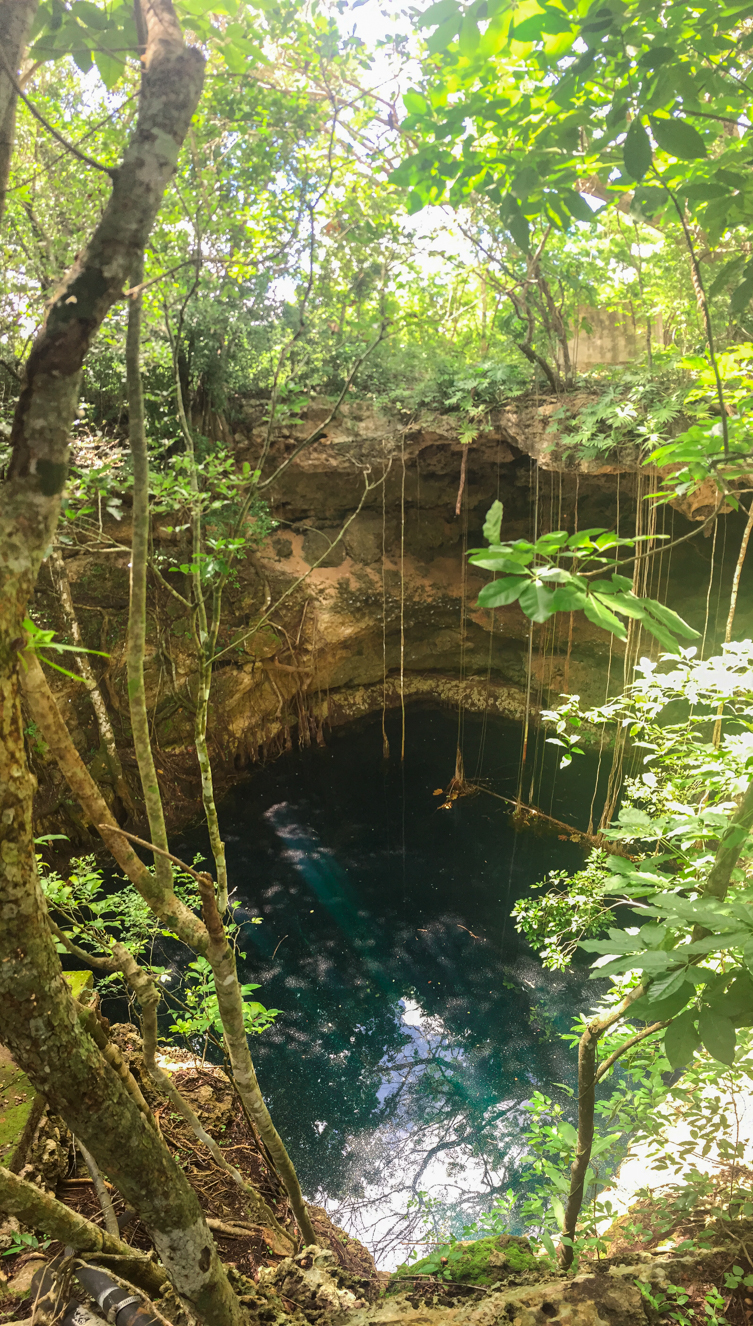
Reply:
x=415 y=1022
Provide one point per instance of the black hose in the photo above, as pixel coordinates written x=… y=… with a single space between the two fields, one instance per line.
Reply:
x=44 y=1296
x=117 y=1304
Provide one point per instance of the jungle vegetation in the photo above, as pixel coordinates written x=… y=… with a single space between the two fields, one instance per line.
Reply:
x=204 y=204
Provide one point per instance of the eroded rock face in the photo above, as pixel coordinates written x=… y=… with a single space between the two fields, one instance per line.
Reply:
x=315 y=1283
x=396 y=586
x=323 y=1292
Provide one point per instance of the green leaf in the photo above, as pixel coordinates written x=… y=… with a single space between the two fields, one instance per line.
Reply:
x=659 y=633
x=469 y=36
x=519 y=229
x=110 y=69
x=439 y=13
x=536 y=601
x=566 y=1131
x=636 y=152
x=650 y=1009
x=718 y=1035
x=491 y=560
x=552 y=22
x=619 y=943
x=670 y=619
x=525 y=181
x=568 y=598
x=600 y=615
x=444 y=34
x=681 y=1040
x=679 y=138
x=501 y=592
x=577 y=206
x=493 y=522
x=414 y=103
x=742 y=295
x=657 y=56
x=704 y=191
x=737 y=1000
x=729 y=272
x=546 y=1238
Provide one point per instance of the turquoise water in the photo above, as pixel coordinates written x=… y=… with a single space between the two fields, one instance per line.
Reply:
x=415 y=1022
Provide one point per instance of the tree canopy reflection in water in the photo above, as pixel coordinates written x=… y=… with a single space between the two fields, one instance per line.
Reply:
x=415 y=1021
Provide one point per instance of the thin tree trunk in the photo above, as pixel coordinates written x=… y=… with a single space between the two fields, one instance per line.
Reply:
x=206 y=638
x=221 y=955
x=213 y=945
x=732 y=607
x=148 y=994
x=106 y=734
x=136 y=643
x=163 y=902
x=103 y=1196
x=16 y=17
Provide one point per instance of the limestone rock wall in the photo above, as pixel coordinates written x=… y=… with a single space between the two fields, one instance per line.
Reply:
x=347 y=603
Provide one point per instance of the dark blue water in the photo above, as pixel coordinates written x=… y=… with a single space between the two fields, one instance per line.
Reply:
x=415 y=1022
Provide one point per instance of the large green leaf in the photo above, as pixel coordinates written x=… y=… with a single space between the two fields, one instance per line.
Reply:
x=536 y=601
x=742 y=295
x=444 y=34
x=469 y=36
x=501 y=592
x=577 y=206
x=520 y=230
x=658 y=1010
x=494 y=561
x=660 y=633
x=439 y=13
x=493 y=522
x=679 y=138
x=414 y=103
x=681 y=1040
x=670 y=618
x=718 y=1035
x=600 y=615
x=737 y=1000
x=636 y=152
x=568 y=598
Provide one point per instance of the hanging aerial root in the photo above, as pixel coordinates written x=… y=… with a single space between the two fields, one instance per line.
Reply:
x=458 y=786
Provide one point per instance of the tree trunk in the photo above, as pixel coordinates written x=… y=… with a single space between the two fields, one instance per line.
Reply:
x=16 y=17
x=221 y=956
x=106 y=734
x=49 y=394
x=40 y=1021
x=163 y=902
x=45 y=1036
x=136 y=643
x=214 y=945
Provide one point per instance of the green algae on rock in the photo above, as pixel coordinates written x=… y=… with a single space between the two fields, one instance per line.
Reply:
x=501 y=1257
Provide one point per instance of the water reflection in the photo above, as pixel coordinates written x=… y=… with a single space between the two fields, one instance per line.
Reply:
x=415 y=1022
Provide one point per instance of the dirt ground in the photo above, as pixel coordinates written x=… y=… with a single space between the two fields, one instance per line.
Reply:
x=240 y=1243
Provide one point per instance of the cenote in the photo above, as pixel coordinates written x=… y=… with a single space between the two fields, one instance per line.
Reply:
x=414 y=1020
